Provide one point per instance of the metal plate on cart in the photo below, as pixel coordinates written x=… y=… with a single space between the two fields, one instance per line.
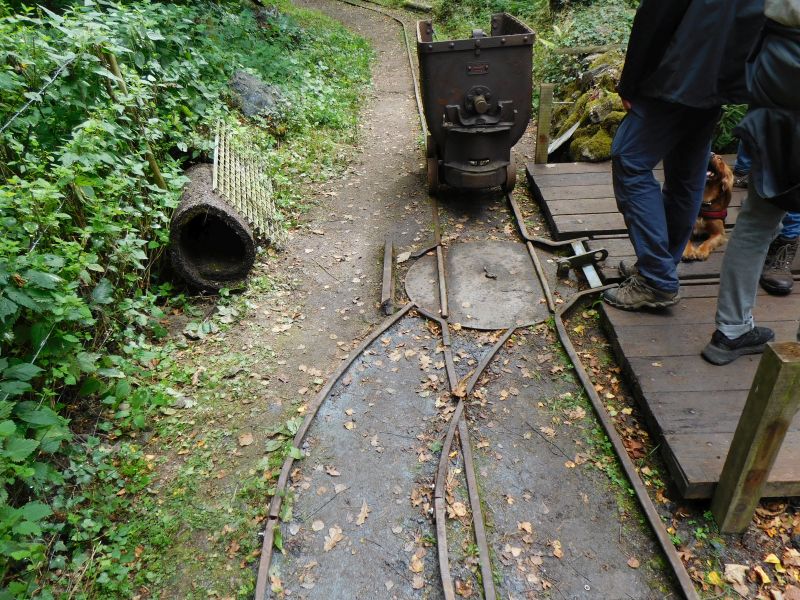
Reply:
x=490 y=285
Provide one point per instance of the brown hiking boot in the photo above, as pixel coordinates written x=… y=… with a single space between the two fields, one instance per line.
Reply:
x=776 y=276
x=634 y=293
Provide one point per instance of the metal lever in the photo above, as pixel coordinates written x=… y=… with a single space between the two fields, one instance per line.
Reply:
x=584 y=260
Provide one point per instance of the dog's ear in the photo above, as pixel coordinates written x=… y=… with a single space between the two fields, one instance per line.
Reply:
x=726 y=186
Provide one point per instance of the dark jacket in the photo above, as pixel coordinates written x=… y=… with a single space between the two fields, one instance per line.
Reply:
x=771 y=129
x=691 y=52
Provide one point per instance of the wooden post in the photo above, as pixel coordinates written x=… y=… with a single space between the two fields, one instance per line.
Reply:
x=543 y=123
x=771 y=405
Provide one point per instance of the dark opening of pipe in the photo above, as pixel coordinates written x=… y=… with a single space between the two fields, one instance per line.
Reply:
x=211 y=245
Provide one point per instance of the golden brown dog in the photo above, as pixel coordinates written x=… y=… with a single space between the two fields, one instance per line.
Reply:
x=710 y=225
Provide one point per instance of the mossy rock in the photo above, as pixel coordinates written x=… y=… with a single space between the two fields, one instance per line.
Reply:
x=591 y=147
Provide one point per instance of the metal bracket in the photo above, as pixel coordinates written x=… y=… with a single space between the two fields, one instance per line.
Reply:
x=584 y=260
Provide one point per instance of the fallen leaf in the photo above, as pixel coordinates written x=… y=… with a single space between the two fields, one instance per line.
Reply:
x=332 y=471
x=633 y=562
x=457 y=509
x=317 y=525
x=525 y=526
x=334 y=537
x=349 y=425
x=464 y=588
x=245 y=439
x=557 y=551
x=362 y=516
x=416 y=565
x=762 y=575
x=715 y=579
x=735 y=575
x=418 y=582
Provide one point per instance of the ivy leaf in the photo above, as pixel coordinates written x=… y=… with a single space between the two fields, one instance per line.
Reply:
x=103 y=293
x=31 y=413
x=7 y=428
x=36 y=511
x=22 y=299
x=87 y=361
x=18 y=449
x=7 y=308
x=296 y=453
x=46 y=281
x=22 y=371
x=14 y=388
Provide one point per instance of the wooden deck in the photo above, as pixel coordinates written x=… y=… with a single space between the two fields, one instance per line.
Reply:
x=692 y=407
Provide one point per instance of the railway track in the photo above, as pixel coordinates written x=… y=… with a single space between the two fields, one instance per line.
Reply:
x=457 y=435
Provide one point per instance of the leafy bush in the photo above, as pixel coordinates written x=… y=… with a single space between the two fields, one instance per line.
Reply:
x=85 y=221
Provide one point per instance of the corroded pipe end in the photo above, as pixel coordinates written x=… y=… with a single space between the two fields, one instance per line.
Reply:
x=211 y=245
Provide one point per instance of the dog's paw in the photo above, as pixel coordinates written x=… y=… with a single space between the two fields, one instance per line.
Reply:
x=701 y=254
x=688 y=254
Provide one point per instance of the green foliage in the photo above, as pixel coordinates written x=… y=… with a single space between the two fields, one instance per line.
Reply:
x=724 y=140
x=85 y=227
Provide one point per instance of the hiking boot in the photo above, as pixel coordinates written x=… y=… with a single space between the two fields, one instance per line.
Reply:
x=776 y=276
x=634 y=293
x=627 y=270
x=721 y=349
x=741 y=180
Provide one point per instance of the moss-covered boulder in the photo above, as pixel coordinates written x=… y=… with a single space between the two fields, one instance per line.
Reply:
x=593 y=102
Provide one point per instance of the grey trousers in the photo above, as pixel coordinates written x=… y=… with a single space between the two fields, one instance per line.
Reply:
x=755 y=229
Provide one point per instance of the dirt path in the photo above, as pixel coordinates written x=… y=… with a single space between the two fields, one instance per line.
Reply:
x=361 y=499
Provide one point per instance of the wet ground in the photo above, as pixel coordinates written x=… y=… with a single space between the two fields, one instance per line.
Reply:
x=361 y=522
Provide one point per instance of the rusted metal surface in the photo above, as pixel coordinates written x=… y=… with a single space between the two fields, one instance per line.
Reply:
x=476 y=96
x=491 y=285
x=678 y=568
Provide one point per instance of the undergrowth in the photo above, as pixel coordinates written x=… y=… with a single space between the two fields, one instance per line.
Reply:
x=85 y=217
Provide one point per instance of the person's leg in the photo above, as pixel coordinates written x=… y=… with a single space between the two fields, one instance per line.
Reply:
x=685 y=168
x=743 y=160
x=776 y=276
x=649 y=132
x=791 y=226
x=747 y=247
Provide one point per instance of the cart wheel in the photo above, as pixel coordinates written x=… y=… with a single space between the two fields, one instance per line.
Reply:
x=511 y=175
x=433 y=175
x=430 y=149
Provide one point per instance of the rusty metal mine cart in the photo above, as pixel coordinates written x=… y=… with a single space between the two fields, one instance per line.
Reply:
x=477 y=98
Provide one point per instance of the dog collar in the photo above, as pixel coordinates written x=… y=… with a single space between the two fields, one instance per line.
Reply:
x=714 y=214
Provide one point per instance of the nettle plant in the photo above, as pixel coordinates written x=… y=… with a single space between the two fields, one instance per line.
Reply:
x=101 y=107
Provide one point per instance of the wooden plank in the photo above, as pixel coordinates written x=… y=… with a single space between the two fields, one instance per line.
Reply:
x=696 y=460
x=771 y=405
x=586 y=167
x=691 y=374
x=693 y=412
x=576 y=193
x=570 y=226
x=701 y=310
x=584 y=206
x=678 y=340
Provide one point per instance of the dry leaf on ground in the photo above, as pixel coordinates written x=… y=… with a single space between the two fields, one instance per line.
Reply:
x=334 y=537
x=362 y=516
x=245 y=439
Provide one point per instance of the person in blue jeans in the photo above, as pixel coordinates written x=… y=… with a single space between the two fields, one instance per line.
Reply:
x=776 y=276
x=685 y=59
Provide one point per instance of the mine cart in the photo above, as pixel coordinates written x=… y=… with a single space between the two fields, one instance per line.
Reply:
x=476 y=94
